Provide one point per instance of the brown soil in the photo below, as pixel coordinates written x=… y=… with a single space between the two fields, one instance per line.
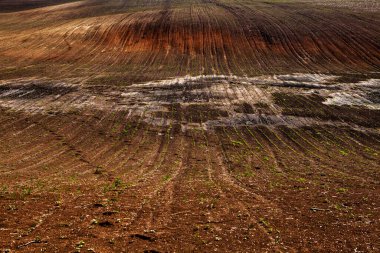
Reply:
x=122 y=42
x=196 y=126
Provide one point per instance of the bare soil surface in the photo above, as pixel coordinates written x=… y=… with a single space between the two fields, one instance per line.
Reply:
x=190 y=126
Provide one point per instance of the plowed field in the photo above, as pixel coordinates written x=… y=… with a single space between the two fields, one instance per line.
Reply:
x=189 y=126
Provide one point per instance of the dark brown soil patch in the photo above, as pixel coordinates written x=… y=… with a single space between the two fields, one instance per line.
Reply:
x=312 y=106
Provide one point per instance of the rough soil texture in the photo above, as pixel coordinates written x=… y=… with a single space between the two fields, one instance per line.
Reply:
x=189 y=126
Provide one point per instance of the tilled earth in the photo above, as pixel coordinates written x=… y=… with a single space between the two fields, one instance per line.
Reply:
x=280 y=163
x=132 y=127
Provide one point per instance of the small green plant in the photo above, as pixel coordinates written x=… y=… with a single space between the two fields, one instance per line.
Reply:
x=79 y=246
x=371 y=151
x=247 y=173
x=166 y=178
x=25 y=191
x=301 y=180
x=266 y=225
x=115 y=128
x=127 y=129
x=118 y=182
x=342 y=190
x=338 y=207
x=116 y=185
x=237 y=143
x=343 y=152
x=3 y=190
x=73 y=179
